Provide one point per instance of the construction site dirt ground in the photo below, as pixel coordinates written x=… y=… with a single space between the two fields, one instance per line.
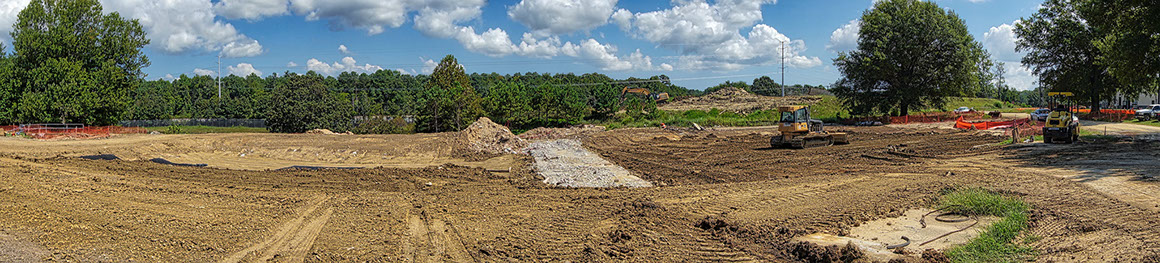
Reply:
x=721 y=195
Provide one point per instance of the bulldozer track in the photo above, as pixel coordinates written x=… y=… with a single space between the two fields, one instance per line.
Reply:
x=292 y=240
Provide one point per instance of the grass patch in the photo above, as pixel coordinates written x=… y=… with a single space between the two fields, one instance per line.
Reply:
x=982 y=104
x=1038 y=138
x=204 y=129
x=997 y=242
x=1155 y=123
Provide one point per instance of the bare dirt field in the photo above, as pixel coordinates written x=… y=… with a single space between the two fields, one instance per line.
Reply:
x=736 y=100
x=721 y=195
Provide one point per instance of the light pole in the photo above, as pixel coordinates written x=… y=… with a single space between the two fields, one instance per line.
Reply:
x=782 y=68
x=219 y=76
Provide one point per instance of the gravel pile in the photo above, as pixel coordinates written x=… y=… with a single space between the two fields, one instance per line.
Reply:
x=566 y=163
x=487 y=136
x=737 y=100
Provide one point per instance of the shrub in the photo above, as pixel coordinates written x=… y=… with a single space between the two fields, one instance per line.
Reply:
x=385 y=125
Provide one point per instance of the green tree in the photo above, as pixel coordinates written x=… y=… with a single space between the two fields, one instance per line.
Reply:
x=305 y=103
x=765 y=86
x=9 y=88
x=1061 y=50
x=910 y=54
x=76 y=64
x=1130 y=47
x=454 y=103
x=508 y=103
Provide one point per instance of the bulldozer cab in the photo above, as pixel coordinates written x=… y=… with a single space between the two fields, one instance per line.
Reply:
x=1062 y=109
x=796 y=119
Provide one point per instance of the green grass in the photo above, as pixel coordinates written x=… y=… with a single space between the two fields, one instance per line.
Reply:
x=1149 y=123
x=829 y=109
x=997 y=242
x=1038 y=138
x=204 y=129
x=981 y=104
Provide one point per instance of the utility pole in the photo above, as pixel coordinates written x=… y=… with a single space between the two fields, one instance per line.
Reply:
x=219 y=76
x=782 y=68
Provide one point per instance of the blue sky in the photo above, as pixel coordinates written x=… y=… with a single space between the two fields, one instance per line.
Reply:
x=696 y=43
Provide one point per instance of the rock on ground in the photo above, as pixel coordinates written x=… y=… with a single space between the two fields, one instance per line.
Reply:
x=566 y=163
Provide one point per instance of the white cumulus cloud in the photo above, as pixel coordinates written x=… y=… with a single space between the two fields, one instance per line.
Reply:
x=342 y=49
x=1000 y=42
x=347 y=64
x=8 y=11
x=604 y=56
x=243 y=70
x=182 y=26
x=708 y=36
x=291 y=64
x=203 y=72
x=428 y=66
x=250 y=9
x=845 y=38
x=562 y=16
x=172 y=26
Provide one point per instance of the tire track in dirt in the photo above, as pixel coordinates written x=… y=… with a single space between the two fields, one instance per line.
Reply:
x=293 y=239
x=430 y=239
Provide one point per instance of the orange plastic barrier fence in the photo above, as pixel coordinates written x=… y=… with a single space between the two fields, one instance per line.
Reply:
x=923 y=118
x=49 y=132
x=1108 y=111
x=987 y=125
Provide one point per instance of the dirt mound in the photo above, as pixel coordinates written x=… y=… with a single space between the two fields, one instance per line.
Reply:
x=320 y=131
x=737 y=100
x=542 y=133
x=487 y=136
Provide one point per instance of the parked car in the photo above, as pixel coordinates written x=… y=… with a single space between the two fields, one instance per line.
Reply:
x=1040 y=114
x=1148 y=113
x=964 y=110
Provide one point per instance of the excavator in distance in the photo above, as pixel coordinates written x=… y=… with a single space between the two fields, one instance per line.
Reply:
x=799 y=131
x=657 y=97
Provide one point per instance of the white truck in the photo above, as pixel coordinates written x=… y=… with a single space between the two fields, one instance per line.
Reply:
x=1148 y=113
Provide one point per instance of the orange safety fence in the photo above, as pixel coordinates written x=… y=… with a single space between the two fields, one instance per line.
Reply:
x=1108 y=111
x=987 y=125
x=53 y=131
x=921 y=118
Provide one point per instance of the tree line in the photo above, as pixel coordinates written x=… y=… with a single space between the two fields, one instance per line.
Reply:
x=914 y=54
x=446 y=100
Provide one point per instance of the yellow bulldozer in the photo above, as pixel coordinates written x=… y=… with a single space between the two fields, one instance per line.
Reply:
x=799 y=131
x=1062 y=124
x=657 y=97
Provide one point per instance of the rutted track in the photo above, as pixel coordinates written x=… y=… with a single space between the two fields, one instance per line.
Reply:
x=728 y=198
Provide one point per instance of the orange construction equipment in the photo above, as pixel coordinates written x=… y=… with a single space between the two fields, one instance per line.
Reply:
x=658 y=97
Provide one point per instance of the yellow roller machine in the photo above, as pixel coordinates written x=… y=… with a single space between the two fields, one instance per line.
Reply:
x=799 y=131
x=1062 y=124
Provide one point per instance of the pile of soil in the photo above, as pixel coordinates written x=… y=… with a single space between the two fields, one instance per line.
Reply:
x=542 y=133
x=327 y=132
x=487 y=136
x=737 y=100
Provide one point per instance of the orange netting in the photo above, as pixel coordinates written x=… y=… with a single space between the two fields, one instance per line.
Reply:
x=987 y=125
x=920 y=118
x=54 y=131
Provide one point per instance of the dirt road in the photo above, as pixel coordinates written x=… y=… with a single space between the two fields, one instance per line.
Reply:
x=726 y=196
x=1119 y=128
